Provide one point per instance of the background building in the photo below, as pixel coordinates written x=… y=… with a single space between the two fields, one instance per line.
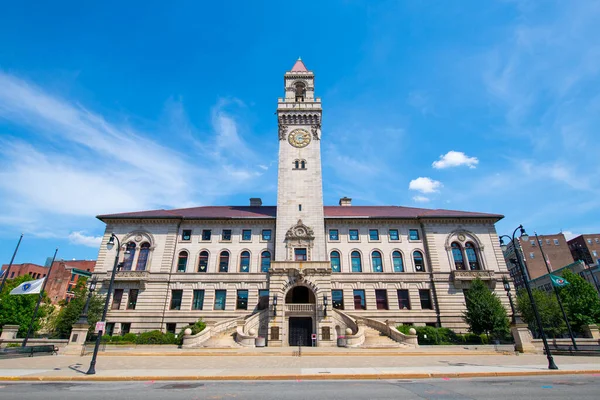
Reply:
x=61 y=280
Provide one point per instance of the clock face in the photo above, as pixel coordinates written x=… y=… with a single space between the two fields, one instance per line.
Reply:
x=299 y=138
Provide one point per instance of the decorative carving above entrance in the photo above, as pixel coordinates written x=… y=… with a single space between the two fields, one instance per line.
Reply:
x=299 y=232
x=462 y=279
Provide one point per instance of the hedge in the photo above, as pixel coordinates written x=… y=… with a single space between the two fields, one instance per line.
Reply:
x=429 y=335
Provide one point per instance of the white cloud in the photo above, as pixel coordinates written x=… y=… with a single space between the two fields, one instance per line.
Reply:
x=420 y=199
x=74 y=163
x=455 y=159
x=424 y=185
x=85 y=240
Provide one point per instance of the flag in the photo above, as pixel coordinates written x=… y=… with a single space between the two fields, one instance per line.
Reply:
x=29 y=287
x=558 y=281
x=548 y=261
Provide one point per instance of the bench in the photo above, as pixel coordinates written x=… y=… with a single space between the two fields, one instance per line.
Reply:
x=28 y=350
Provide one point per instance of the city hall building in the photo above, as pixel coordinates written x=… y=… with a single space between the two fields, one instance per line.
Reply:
x=299 y=271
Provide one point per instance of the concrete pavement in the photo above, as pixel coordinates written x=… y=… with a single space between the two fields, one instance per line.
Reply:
x=280 y=367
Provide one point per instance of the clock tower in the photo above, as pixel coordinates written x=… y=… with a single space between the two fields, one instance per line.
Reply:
x=300 y=230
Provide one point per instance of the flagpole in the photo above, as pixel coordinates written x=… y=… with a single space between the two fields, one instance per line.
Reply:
x=39 y=301
x=10 y=265
x=562 y=309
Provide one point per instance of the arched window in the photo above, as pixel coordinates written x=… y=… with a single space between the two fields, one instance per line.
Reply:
x=296 y=164
x=356 y=263
x=303 y=164
x=129 y=255
x=265 y=261
x=419 y=263
x=398 y=264
x=182 y=261
x=300 y=90
x=224 y=261
x=376 y=260
x=472 y=256
x=203 y=261
x=143 y=257
x=245 y=261
x=457 y=254
x=335 y=261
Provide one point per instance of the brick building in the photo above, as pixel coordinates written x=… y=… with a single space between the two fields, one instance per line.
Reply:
x=586 y=248
x=62 y=279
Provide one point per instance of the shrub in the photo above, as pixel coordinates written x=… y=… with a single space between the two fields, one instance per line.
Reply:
x=152 y=337
x=429 y=335
x=196 y=328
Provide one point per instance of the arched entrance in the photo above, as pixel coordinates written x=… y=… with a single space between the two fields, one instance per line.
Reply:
x=300 y=308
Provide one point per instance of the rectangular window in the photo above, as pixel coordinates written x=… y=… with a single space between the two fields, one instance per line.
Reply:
x=300 y=254
x=70 y=288
x=132 y=299
x=531 y=255
x=72 y=277
x=171 y=327
x=360 y=302
x=532 y=242
x=242 y=300
x=226 y=235
x=266 y=235
x=125 y=328
x=373 y=234
x=556 y=242
x=263 y=299
x=403 y=299
x=176 y=296
x=333 y=234
x=597 y=240
x=594 y=253
x=353 y=234
x=425 y=297
x=198 y=300
x=220 y=296
x=589 y=241
x=118 y=296
x=413 y=234
x=547 y=241
x=186 y=234
x=206 y=234
x=394 y=235
x=381 y=299
x=110 y=328
x=246 y=234
x=337 y=299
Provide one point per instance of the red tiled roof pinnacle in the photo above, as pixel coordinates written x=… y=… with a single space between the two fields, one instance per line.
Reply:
x=299 y=66
x=270 y=212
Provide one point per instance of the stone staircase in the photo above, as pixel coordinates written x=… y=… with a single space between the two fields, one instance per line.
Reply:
x=223 y=340
x=376 y=339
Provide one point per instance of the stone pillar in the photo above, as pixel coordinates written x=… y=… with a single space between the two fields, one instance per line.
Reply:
x=9 y=332
x=591 y=331
x=77 y=340
x=523 y=338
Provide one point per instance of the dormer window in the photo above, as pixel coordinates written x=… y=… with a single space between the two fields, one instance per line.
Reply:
x=300 y=91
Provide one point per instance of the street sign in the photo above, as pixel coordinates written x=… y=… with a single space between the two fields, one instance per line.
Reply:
x=100 y=325
x=314 y=336
x=81 y=272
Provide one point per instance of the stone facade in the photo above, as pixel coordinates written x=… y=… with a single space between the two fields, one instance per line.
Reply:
x=389 y=264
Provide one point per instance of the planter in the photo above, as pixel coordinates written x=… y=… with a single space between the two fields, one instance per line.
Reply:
x=341 y=342
x=259 y=342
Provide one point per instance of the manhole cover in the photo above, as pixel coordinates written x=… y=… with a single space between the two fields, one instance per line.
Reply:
x=182 y=386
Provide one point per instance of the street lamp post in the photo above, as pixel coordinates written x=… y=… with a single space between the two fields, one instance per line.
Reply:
x=109 y=246
x=506 y=285
x=83 y=319
x=525 y=237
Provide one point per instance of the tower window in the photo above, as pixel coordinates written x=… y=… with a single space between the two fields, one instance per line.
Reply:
x=300 y=91
x=302 y=164
x=299 y=164
x=296 y=164
x=299 y=207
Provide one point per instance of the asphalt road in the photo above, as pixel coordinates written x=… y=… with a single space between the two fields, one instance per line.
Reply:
x=578 y=387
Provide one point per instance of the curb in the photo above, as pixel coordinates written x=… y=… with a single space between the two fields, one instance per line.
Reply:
x=292 y=353
x=311 y=377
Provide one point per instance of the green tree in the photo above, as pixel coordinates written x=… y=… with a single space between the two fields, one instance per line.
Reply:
x=580 y=301
x=71 y=312
x=18 y=309
x=548 y=308
x=485 y=313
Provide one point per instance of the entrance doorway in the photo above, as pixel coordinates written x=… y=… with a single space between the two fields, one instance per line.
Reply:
x=300 y=330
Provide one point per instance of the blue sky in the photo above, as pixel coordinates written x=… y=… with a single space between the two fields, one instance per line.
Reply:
x=470 y=105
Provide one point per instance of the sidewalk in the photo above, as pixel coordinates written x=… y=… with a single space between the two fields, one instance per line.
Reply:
x=280 y=367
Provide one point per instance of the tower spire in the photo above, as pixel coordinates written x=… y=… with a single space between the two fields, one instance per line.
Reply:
x=299 y=66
